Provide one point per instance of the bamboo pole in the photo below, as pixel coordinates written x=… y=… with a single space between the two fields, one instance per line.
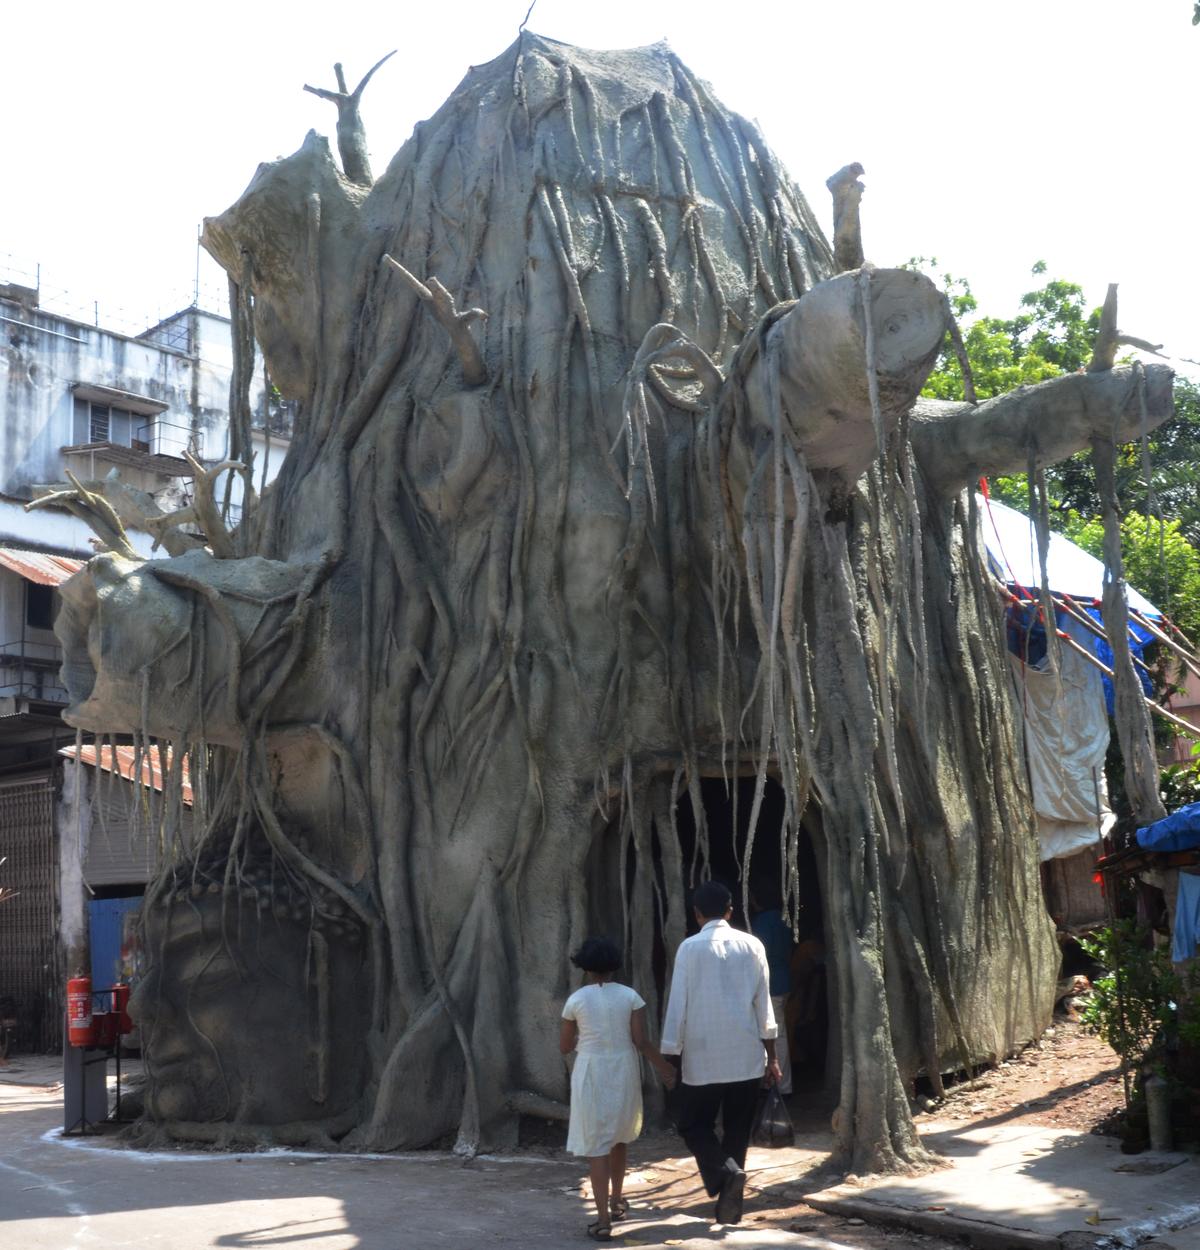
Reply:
x=1191 y=730
x=1150 y=627
x=1067 y=605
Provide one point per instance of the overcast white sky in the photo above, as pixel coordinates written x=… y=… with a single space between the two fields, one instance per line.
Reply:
x=993 y=135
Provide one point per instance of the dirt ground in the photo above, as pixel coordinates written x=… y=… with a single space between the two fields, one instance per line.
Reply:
x=1069 y=1079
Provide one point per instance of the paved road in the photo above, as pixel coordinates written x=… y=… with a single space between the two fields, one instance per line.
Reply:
x=56 y=1195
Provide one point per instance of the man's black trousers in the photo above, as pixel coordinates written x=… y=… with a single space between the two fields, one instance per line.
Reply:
x=696 y=1111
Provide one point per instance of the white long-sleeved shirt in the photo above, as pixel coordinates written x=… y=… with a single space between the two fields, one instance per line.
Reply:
x=719 y=1012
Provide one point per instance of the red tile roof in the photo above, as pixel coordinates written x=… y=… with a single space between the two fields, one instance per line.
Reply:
x=37 y=566
x=125 y=758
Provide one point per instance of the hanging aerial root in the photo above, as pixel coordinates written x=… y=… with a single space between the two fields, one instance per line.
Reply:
x=1133 y=722
x=960 y=352
x=662 y=342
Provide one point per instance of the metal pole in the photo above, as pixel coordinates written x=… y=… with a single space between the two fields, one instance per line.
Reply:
x=117 y=1108
x=24 y=618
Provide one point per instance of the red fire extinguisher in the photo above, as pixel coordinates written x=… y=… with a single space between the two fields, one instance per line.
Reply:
x=81 y=1028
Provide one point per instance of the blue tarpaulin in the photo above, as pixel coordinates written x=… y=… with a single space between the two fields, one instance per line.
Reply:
x=1180 y=831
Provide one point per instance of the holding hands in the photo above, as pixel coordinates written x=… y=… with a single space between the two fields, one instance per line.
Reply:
x=665 y=1069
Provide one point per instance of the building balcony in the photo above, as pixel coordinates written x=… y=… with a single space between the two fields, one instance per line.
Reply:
x=157 y=447
x=279 y=421
x=29 y=673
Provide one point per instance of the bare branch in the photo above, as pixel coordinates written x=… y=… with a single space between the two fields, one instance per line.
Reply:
x=441 y=304
x=847 y=225
x=356 y=94
x=957 y=443
x=351 y=134
x=1130 y=340
x=1104 y=354
x=204 y=506
x=1109 y=338
x=94 y=511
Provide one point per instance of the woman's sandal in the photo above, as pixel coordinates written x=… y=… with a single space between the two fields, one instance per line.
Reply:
x=599 y=1232
x=618 y=1208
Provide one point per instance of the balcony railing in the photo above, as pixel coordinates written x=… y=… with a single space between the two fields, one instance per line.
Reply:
x=30 y=670
x=163 y=438
x=279 y=419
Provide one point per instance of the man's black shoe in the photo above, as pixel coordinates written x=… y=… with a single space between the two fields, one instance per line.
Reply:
x=729 y=1204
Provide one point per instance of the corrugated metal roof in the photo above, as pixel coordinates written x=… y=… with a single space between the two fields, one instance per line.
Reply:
x=124 y=764
x=37 y=566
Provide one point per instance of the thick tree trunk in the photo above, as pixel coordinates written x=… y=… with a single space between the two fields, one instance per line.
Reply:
x=515 y=594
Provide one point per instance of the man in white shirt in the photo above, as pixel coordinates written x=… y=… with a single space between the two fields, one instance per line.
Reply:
x=719 y=1019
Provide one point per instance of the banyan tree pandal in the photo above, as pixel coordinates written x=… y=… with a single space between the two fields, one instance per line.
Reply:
x=614 y=548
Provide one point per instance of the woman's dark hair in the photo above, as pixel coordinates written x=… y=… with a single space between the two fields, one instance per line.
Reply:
x=712 y=899
x=598 y=954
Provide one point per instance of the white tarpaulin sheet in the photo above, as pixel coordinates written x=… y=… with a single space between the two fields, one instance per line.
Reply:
x=1012 y=547
x=1066 y=715
x=1066 y=737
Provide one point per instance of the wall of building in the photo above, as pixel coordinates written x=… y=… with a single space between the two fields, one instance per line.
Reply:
x=21 y=642
x=179 y=371
x=43 y=357
x=30 y=965
x=1186 y=705
x=175 y=378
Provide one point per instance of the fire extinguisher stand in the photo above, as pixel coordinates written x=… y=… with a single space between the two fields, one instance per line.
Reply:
x=85 y=1090
x=92 y=1039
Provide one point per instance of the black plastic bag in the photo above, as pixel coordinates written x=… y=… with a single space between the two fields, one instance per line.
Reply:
x=773 y=1125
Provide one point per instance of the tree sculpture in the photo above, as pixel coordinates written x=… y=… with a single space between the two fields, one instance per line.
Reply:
x=669 y=511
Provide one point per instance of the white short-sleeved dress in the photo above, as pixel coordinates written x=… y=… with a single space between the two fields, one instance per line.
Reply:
x=606 y=1083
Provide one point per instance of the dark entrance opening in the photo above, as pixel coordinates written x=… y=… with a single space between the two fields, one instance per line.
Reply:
x=617 y=873
x=727 y=810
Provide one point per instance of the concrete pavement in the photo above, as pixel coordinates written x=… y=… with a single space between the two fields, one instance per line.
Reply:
x=1011 y=1186
x=59 y=1194
x=1007 y=1187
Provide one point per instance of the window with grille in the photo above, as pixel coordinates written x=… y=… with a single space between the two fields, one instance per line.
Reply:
x=99 y=423
x=103 y=423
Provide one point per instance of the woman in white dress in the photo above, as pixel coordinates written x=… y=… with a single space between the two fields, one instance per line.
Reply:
x=604 y=1022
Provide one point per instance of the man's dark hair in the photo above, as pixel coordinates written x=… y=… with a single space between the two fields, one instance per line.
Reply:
x=712 y=900
x=598 y=954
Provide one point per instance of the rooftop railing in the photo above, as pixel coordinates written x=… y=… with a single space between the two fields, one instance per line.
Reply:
x=106 y=314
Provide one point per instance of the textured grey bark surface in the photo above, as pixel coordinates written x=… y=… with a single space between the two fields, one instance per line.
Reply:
x=479 y=639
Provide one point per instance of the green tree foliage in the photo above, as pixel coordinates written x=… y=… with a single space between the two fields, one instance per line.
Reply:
x=1052 y=333
x=1134 y=1002
x=1180 y=784
x=1173 y=451
x=1164 y=566
x=1143 y=1007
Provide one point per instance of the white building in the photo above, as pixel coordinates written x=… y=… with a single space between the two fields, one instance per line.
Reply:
x=79 y=397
